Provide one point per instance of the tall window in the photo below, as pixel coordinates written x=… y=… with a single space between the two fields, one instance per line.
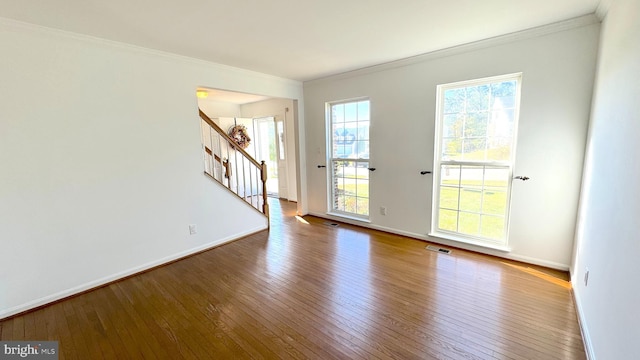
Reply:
x=348 y=140
x=475 y=137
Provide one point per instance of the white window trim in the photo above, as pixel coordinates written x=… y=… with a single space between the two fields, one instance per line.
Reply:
x=456 y=236
x=329 y=159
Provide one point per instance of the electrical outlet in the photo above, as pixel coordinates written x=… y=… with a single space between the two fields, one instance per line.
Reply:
x=383 y=210
x=586 y=277
x=193 y=229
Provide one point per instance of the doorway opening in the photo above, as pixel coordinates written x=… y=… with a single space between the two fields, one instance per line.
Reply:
x=266 y=148
x=270 y=124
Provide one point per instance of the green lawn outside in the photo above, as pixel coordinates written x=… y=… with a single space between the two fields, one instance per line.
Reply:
x=490 y=202
x=354 y=196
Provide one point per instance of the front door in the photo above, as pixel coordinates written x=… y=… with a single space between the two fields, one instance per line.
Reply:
x=267 y=151
x=283 y=188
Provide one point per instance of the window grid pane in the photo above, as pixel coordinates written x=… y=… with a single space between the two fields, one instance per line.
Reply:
x=477 y=123
x=349 y=141
x=473 y=195
x=350 y=186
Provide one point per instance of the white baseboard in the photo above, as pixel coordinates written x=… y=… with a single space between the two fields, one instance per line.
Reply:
x=584 y=330
x=120 y=275
x=479 y=249
x=539 y=262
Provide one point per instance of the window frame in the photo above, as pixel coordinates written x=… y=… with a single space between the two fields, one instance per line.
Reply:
x=439 y=163
x=330 y=160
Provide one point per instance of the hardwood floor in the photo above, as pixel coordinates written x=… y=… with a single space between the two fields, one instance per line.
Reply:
x=305 y=289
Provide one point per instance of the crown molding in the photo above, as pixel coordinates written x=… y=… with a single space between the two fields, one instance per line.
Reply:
x=565 y=25
x=47 y=31
x=603 y=8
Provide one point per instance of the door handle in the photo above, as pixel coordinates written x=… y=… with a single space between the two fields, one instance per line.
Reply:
x=321 y=166
x=372 y=169
x=424 y=172
x=523 y=178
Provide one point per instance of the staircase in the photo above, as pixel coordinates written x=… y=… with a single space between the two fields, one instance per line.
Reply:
x=230 y=165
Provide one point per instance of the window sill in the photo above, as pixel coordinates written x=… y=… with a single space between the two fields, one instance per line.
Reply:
x=479 y=243
x=349 y=217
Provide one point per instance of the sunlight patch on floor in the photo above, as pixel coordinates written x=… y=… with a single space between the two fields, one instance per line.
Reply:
x=300 y=219
x=539 y=274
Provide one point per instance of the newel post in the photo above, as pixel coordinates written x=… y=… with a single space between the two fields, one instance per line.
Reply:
x=263 y=173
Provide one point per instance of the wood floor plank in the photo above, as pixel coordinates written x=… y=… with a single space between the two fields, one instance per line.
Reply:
x=18 y=327
x=222 y=340
x=344 y=305
x=149 y=316
x=349 y=319
x=304 y=302
x=59 y=331
x=4 y=330
x=301 y=307
x=306 y=290
x=262 y=290
x=216 y=344
x=352 y=314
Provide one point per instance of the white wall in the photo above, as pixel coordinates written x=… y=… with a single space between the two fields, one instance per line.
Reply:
x=276 y=107
x=101 y=162
x=215 y=109
x=558 y=65
x=607 y=241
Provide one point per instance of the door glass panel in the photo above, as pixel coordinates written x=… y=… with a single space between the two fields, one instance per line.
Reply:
x=267 y=151
x=280 y=126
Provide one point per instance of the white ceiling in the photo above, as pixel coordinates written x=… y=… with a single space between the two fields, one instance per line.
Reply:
x=295 y=39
